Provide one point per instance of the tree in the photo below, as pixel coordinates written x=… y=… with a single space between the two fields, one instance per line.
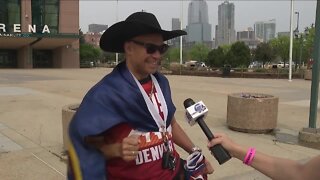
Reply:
x=309 y=41
x=239 y=55
x=281 y=47
x=199 y=52
x=263 y=53
x=216 y=58
x=226 y=48
x=88 y=53
x=81 y=37
x=173 y=55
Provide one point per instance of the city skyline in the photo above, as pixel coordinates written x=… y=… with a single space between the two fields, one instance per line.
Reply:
x=91 y=12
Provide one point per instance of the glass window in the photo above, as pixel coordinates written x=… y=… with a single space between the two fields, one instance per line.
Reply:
x=10 y=13
x=45 y=12
x=8 y=58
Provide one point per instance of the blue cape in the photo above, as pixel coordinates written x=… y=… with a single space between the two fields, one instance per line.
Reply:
x=113 y=100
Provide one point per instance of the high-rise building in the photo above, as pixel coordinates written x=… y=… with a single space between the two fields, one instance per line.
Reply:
x=248 y=38
x=265 y=30
x=198 y=28
x=39 y=34
x=97 y=28
x=176 y=25
x=225 y=32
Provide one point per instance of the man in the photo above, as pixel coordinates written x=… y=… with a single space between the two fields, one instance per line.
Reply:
x=128 y=117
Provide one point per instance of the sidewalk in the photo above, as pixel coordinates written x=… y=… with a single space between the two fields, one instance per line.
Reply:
x=31 y=132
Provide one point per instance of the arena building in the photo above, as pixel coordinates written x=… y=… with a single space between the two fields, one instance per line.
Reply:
x=39 y=34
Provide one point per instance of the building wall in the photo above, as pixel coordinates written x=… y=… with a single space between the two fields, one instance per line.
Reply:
x=93 y=39
x=69 y=17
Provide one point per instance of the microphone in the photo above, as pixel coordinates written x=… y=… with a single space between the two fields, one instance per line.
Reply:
x=195 y=112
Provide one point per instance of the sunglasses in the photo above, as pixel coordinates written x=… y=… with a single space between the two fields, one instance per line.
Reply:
x=152 y=48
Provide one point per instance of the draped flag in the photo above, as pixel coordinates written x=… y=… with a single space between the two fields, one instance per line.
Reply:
x=195 y=166
x=113 y=100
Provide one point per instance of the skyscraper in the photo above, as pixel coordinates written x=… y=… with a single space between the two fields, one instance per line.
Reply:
x=198 y=28
x=265 y=30
x=225 y=33
x=176 y=25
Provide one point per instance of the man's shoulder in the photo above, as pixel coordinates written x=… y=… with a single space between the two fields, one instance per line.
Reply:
x=160 y=77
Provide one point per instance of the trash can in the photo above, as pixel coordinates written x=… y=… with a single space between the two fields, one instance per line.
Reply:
x=226 y=70
x=252 y=112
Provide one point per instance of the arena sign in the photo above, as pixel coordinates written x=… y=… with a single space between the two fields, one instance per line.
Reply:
x=31 y=28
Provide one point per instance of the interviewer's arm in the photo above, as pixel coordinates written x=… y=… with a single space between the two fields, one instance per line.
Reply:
x=274 y=167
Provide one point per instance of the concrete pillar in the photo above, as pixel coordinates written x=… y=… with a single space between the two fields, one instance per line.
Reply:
x=308 y=74
x=26 y=15
x=24 y=57
x=67 y=56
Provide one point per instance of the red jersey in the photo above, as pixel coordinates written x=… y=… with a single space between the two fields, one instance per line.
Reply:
x=148 y=164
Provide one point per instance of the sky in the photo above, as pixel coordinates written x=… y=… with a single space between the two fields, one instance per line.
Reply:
x=246 y=12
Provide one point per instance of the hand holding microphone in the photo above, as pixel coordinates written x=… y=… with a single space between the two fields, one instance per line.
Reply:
x=195 y=112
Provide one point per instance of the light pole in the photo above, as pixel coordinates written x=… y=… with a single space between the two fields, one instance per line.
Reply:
x=296 y=34
x=298 y=14
x=181 y=23
x=117 y=55
x=291 y=43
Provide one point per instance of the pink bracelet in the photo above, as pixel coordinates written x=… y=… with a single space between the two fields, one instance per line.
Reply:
x=249 y=156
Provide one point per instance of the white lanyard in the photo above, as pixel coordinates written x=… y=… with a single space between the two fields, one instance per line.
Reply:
x=151 y=107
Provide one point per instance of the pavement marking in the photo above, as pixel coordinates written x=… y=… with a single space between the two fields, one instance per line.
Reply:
x=2 y=126
x=49 y=165
x=6 y=144
x=4 y=91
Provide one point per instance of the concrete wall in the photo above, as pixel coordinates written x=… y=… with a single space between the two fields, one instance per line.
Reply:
x=69 y=17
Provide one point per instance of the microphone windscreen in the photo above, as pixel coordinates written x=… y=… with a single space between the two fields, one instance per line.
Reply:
x=188 y=102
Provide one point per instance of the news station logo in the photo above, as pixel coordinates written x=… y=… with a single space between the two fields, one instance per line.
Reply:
x=199 y=108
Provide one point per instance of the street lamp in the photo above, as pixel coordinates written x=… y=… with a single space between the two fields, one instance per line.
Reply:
x=297 y=29
x=296 y=34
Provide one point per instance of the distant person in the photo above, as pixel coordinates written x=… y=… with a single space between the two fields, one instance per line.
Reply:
x=125 y=126
x=273 y=167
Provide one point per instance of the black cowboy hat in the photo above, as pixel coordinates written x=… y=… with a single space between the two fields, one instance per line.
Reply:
x=136 y=24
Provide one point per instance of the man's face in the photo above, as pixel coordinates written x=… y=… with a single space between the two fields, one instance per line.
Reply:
x=143 y=54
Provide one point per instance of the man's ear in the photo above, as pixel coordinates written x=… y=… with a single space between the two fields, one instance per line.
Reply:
x=127 y=47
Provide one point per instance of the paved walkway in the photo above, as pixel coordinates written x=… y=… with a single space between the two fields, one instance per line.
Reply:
x=31 y=132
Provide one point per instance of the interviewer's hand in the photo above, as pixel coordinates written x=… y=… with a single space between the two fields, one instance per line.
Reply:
x=225 y=141
x=130 y=148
